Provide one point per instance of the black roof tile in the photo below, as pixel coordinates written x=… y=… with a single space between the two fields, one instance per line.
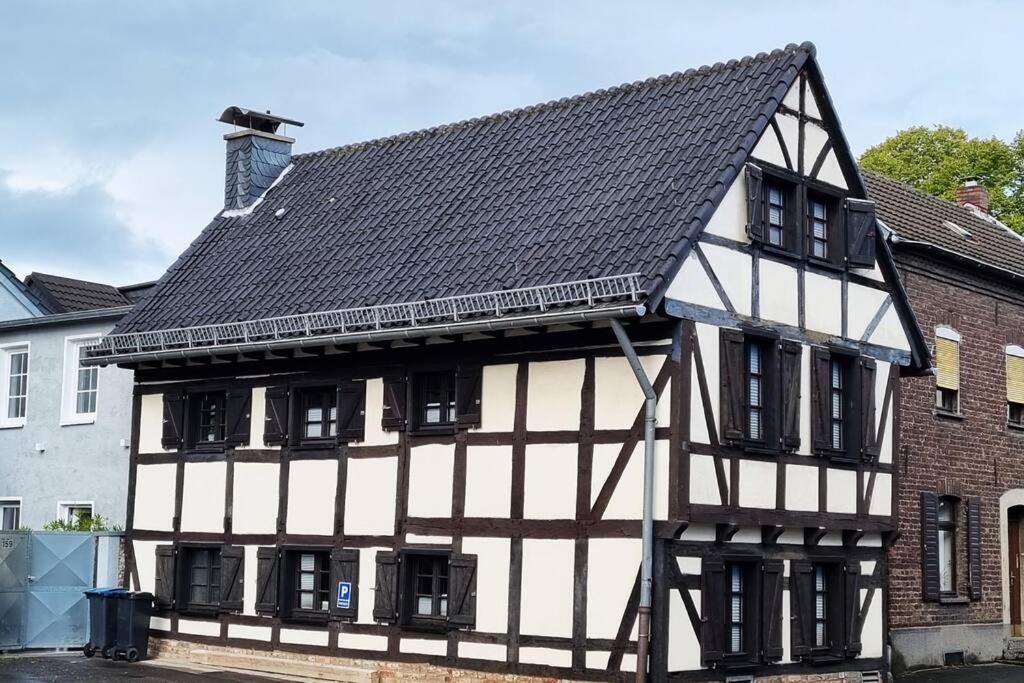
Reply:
x=65 y=295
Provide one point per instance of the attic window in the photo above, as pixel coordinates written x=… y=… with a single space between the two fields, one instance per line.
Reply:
x=957 y=230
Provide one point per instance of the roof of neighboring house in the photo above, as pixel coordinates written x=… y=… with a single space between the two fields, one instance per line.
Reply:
x=608 y=183
x=65 y=295
x=915 y=216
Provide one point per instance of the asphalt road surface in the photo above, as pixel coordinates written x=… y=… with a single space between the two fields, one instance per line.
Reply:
x=980 y=673
x=76 y=667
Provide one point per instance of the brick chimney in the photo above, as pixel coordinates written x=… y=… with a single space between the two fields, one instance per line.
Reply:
x=256 y=154
x=972 y=192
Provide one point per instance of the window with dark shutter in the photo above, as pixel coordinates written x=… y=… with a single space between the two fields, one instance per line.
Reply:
x=842 y=405
x=239 y=409
x=232 y=578
x=773 y=578
x=275 y=424
x=165 y=578
x=869 y=433
x=790 y=380
x=755 y=213
x=385 y=594
x=267 y=580
x=802 y=602
x=712 y=611
x=462 y=591
x=930 y=545
x=352 y=411
x=344 y=584
x=851 y=609
x=733 y=389
x=206 y=421
x=394 y=416
x=860 y=232
x=468 y=385
x=974 y=546
x=173 y=436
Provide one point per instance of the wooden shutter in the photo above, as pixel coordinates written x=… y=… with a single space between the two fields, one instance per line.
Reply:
x=947 y=363
x=821 y=432
x=1014 y=378
x=869 y=445
x=860 y=232
x=801 y=607
x=771 y=609
x=385 y=594
x=237 y=414
x=232 y=573
x=344 y=568
x=468 y=383
x=164 y=583
x=462 y=591
x=930 y=545
x=275 y=423
x=352 y=411
x=712 y=611
x=789 y=373
x=733 y=382
x=755 y=212
x=394 y=416
x=268 y=560
x=174 y=420
x=851 y=608
x=974 y=546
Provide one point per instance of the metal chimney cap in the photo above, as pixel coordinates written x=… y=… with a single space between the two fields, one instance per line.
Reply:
x=257 y=120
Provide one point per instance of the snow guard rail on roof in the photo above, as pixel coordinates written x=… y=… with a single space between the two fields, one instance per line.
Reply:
x=455 y=309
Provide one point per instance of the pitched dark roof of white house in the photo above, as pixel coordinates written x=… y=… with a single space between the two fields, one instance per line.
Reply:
x=66 y=295
x=608 y=183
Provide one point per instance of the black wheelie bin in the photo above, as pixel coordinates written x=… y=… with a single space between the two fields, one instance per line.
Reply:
x=132 y=638
x=102 y=621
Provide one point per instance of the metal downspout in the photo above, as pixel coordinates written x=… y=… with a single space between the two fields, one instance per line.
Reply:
x=650 y=422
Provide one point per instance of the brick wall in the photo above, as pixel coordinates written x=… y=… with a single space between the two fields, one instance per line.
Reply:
x=975 y=456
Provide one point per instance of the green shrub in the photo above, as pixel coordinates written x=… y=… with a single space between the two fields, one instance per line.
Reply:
x=94 y=523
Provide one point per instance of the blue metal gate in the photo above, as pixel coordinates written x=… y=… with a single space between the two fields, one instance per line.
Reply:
x=13 y=584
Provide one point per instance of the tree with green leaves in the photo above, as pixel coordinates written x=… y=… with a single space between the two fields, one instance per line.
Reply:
x=937 y=159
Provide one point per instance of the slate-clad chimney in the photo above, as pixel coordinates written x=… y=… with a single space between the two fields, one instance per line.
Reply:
x=974 y=193
x=256 y=154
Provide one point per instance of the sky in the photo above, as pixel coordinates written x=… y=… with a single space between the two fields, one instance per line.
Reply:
x=111 y=160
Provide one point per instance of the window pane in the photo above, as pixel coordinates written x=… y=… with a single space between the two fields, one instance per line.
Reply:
x=946 y=561
x=945 y=510
x=425 y=606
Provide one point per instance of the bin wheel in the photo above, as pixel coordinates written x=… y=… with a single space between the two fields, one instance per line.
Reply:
x=88 y=650
x=108 y=652
x=132 y=655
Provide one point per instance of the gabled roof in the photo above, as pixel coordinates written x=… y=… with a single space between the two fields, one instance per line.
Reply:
x=915 y=216
x=608 y=183
x=66 y=295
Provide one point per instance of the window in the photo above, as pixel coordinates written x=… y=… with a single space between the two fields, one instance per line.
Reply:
x=309 y=583
x=947 y=544
x=818 y=217
x=10 y=515
x=775 y=210
x=435 y=399
x=72 y=513
x=756 y=357
x=843 y=415
x=1015 y=385
x=426 y=588
x=14 y=389
x=947 y=367
x=836 y=401
x=735 y=608
x=820 y=606
x=203 y=577
x=741 y=610
x=209 y=417
x=81 y=383
x=319 y=413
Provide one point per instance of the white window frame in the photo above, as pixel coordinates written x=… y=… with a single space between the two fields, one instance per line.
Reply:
x=6 y=351
x=64 y=506
x=9 y=501
x=69 y=386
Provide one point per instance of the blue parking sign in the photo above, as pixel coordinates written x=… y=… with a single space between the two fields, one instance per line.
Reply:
x=344 y=594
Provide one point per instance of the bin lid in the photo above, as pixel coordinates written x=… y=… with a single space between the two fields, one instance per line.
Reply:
x=104 y=591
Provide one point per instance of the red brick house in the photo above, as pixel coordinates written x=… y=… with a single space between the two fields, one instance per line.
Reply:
x=955 y=564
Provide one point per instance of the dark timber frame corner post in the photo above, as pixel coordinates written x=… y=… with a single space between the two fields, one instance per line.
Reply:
x=647 y=528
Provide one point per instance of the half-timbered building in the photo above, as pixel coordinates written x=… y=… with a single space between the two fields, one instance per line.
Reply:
x=597 y=386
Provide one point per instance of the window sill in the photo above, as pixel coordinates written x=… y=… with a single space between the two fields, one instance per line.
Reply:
x=78 y=420
x=1015 y=426
x=954 y=600
x=202 y=611
x=441 y=430
x=296 y=617
x=825 y=264
x=779 y=251
x=13 y=424
x=948 y=415
x=422 y=625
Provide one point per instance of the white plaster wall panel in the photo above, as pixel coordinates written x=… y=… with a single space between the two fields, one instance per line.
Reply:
x=550 y=481
x=617 y=395
x=683 y=647
x=199 y=628
x=249 y=580
x=707 y=336
x=823 y=310
x=757 y=484
x=805 y=406
x=553 y=395
x=374 y=433
x=832 y=538
x=831 y=172
x=802 y=488
x=700 y=532
x=151 y=423
x=491 y=582
x=790 y=127
x=298 y=636
x=733 y=270
x=145 y=563
x=489 y=651
x=730 y=218
x=545 y=656
x=862 y=304
x=881 y=499
x=871 y=539
x=815 y=138
x=247 y=632
x=627 y=499
x=498 y=398
x=611 y=569
x=872 y=633
x=842 y=491
x=867 y=567
x=597 y=659
x=810 y=101
x=693 y=285
x=428 y=540
x=367 y=583
x=423 y=646
x=371 y=487
x=488 y=481
x=431 y=470
x=688 y=565
x=312 y=486
x=881 y=382
x=768 y=149
x=890 y=332
x=779 y=282
x=154 y=497
x=254 y=501
x=546 y=607
x=160 y=623
x=704 y=481
x=257 y=418
x=747 y=534
x=792 y=98
x=362 y=641
x=792 y=536
x=628 y=661
x=203 y=495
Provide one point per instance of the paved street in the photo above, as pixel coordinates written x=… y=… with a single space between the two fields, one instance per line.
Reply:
x=983 y=673
x=74 y=666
